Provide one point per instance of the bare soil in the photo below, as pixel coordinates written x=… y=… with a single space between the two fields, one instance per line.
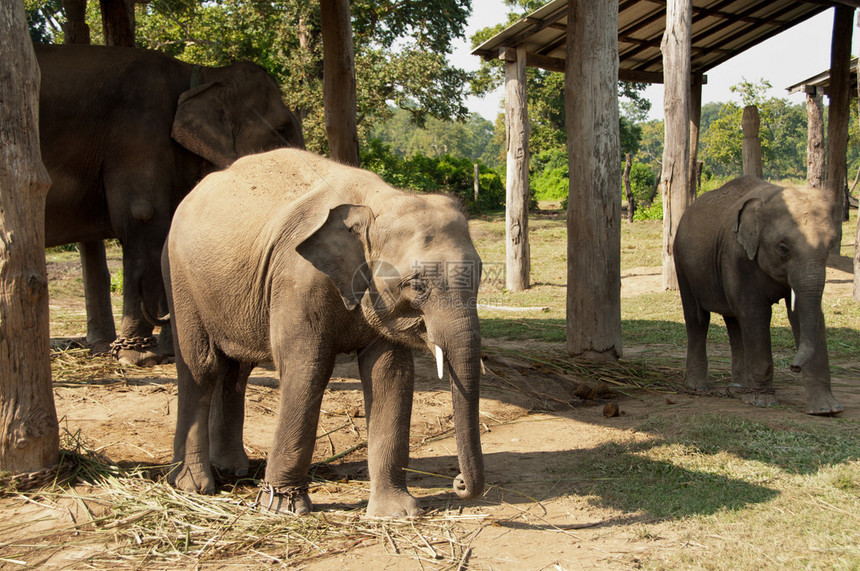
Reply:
x=535 y=514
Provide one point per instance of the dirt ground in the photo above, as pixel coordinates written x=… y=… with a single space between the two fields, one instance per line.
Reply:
x=534 y=514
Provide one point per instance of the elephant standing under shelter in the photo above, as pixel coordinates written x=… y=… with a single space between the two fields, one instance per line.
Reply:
x=125 y=134
x=740 y=249
x=293 y=258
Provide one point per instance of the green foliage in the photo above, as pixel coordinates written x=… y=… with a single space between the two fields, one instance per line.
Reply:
x=642 y=181
x=653 y=212
x=550 y=176
x=116 y=282
x=443 y=174
x=471 y=139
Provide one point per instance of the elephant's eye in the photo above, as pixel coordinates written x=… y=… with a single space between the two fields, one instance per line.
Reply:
x=417 y=286
x=784 y=250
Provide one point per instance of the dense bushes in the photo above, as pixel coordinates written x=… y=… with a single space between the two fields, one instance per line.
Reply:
x=444 y=174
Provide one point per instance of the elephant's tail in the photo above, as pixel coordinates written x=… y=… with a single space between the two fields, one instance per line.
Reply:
x=153 y=320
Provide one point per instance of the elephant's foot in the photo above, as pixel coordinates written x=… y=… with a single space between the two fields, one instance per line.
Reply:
x=99 y=346
x=192 y=477
x=393 y=503
x=762 y=398
x=697 y=383
x=823 y=404
x=137 y=351
x=232 y=462
x=293 y=500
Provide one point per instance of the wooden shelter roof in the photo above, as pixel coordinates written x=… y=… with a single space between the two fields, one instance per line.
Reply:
x=821 y=82
x=721 y=30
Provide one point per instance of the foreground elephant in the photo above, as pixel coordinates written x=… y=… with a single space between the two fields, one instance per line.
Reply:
x=740 y=249
x=125 y=134
x=290 y=257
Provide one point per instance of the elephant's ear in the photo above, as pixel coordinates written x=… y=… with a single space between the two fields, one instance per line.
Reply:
x=748 y=226
x=339 y=248
x=202 y=125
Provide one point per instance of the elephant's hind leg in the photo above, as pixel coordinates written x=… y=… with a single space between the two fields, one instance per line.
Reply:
x=696 y=321
x=227 y=419
x=199 y=367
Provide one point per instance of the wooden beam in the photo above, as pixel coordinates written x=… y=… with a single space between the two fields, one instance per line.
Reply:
x=814 y=139
x=751 y=145
x=594 y=211
x=517 y=252
x=29 y=434
x=836 y=180
x=675 y=177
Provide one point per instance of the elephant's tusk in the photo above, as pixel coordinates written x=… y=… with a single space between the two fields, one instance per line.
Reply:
x=791 y=301
x=439 y=361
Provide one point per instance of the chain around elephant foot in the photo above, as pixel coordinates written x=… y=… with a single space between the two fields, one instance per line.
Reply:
x=286 y=499
x=136 y=351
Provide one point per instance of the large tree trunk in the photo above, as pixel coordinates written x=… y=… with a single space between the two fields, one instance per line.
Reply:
x=857 y=237
x=339 y=81
x=625 y=177
x=695 y=125
x=751 y=146
x=118 y=22
x=76 y=30
x=838 y=112
x=675 y=176
x=517 y=253
x=594 y=211
x=29 y=433
x=814 y=138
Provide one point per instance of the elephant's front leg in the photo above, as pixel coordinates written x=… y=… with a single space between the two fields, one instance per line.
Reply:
x=758 y=356
x=305 y=370
x=816 y=371
x=387 y=377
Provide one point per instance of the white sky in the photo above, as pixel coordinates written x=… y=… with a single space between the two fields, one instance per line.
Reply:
x=790 y=57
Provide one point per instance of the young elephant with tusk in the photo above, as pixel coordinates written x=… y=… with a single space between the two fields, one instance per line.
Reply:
x=740 y=249
x=290 y=257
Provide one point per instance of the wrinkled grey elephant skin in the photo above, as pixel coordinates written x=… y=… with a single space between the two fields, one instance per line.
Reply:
x=125 y=134
x=290 y=257
x=739 y=250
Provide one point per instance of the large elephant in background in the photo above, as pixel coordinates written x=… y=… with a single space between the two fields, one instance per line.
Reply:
x=293 y=258
x=740 y=249
x=125 y=134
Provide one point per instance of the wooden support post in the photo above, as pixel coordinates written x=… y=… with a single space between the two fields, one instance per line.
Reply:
x=814 y=138
x=517 y=254
x=594 y=211
x=695 y=124
x=675 y=177
x=836 y=181
x=75 y=29
x=625 y=178
x=29 y=432
x=118 y=22
x=339 y=81
x=857 y=237
x=751 y=148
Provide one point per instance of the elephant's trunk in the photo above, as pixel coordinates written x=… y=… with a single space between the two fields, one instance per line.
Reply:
x=460 y=342
x=807 y=294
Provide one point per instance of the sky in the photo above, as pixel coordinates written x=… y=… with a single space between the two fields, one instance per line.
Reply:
x=786 y=59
